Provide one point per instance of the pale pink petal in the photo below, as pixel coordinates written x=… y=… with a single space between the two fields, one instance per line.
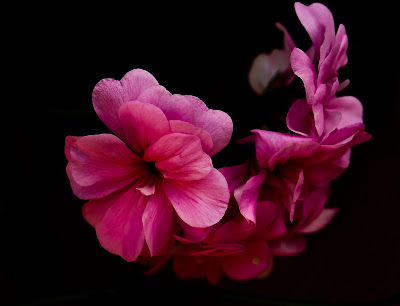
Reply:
x=262 y=71
x=179 y=157
x=135 y=82
x=350 y=109
x=304 y=68
x=247 y=195
x=318 y=22
x=215 y=122
x=120 y=231
x=199 y=203
x=175 y=107
x=320 y=222
x=109 y=94
x=143 y=124
x=248 y=264
x=288 y=246
x=102 y=164
x=158 y=220
x=148 y=189
x=188 y=128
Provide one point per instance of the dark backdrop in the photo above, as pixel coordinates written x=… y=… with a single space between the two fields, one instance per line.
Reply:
x=57 y=55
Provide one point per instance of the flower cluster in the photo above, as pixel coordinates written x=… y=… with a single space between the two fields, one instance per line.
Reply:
x=153 y=192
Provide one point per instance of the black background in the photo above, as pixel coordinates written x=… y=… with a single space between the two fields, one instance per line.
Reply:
x=57 y=54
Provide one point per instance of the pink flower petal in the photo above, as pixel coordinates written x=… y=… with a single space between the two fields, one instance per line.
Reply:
x=318 y=22
x=179 y=157
x=120 y=231
x=69 y=141
x=158 y=220
x=299 y=118
x=274 y=147
x=143 y=124
x=304 y=68
x=109 y=94
x=288 y=246
x=262 y=71
x=175 y=107
x=94 y=210
x=188 y=128
x=215 y=122
x=350 y=109
x=102 y=164
x=248 y=264
x=247 y=196
x=234 y=231
x=199 y=203
x=270 y=222
x=320 y=222
x=235 y=175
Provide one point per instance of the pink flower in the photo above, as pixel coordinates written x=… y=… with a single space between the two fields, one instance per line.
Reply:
x=156 y=167
x=272 y=69
x=235 y=248
x=321 y=112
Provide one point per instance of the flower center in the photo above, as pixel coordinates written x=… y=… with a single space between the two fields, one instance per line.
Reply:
x=154 y=172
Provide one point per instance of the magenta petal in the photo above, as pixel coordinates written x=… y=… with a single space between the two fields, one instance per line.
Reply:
x=233 y=231
x=273 y=147
x=248 y=264
x=188 y=128
x=304 y=68
x=320 y=222
x=94 y=210
x=288 y=246
x=120 y=231
x=179 y=157
x=235 y=175
x=143 y=124
x=69 y=141
x=175 y=107
x=102 y=164
x=109 y=94
x=350 y=109
x=247 y=196
x=318 y=22
x=270 y=222
x=298 y=119
x=158 y=220
x=199 y=203
x=135 y=82
x=215 y=122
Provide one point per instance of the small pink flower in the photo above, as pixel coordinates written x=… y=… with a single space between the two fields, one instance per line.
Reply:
x=321 y=112
x=158 y=166
x=236 y=248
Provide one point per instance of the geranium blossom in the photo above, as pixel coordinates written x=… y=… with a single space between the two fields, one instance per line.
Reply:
x=158 y=164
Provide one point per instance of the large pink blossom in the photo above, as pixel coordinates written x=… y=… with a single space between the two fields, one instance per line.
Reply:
x=155 y=169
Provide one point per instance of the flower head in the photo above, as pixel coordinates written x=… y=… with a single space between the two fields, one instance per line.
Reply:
x=156 y=165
